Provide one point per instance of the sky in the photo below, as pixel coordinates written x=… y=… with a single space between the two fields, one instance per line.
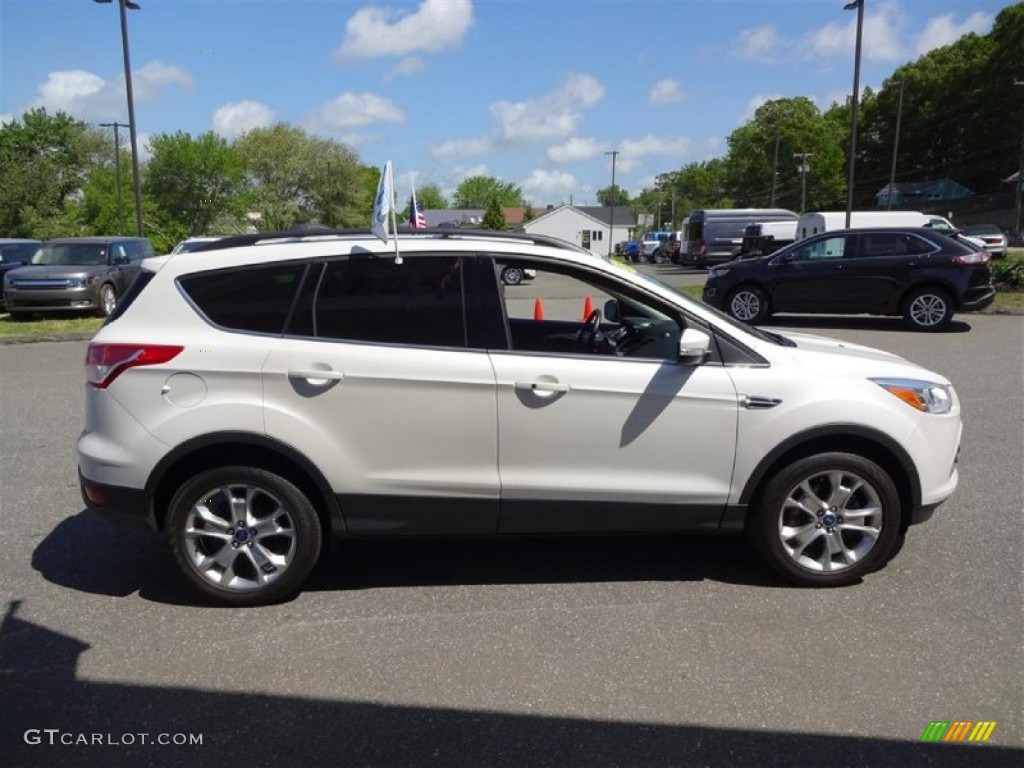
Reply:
x=530 y=91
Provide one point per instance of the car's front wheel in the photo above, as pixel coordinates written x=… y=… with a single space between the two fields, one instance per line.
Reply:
x=108 y=300
x=827 y=520
x=748 y=304
x=243 y=536
x=928 y=309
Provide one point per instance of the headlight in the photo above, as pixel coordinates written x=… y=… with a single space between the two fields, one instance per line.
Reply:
x=921 y=395
x=77 y=282
x=718 y=272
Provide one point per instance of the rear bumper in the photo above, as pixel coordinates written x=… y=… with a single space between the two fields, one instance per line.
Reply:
x=125 y=506
x=977 y=299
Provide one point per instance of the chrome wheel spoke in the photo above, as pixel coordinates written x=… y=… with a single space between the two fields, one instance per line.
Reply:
x=805 y=486
x=866 y=530
x=204 y=533
x=802 y=536
x=204 y=513
x=841 y=494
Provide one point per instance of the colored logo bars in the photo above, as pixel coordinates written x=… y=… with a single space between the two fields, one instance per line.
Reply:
x=958 y=730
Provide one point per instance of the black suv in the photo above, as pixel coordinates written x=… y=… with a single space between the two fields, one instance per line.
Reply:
x=921 y=274
x=75 y=274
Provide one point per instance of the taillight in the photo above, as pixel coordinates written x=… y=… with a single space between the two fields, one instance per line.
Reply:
x=703 y=246
x=975 y=257
x=105 y=362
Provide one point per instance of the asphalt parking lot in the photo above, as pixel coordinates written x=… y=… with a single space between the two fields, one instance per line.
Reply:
x=605 y=651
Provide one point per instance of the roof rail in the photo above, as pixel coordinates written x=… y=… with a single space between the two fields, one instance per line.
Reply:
x=307 y=233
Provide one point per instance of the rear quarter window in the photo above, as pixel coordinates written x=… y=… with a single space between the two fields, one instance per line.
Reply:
x=253 y=299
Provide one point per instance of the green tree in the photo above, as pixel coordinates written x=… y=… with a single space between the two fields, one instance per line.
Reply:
x=528 y=213
x=479 y=191
x=430 y=196
x=336 y=195
x=193 y=181
x=612 y=195
x=494 y=218
x=44 y=162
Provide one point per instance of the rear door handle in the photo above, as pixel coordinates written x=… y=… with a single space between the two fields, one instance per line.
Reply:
x=315 y=377
x=541 y=387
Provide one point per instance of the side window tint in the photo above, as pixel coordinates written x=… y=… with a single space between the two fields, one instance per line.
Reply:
x=373 y=299
x=252 y=299
x=883 y=244
x=916 y=244
x=826 y=249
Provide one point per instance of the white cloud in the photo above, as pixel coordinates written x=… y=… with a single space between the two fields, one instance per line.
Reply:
x=145 y=149
x=880 y=38
x=942 y=30
x=546 y=185
x=88 y=96
x=238 y=117
x=666 y=91
x=673 y=146
x=449 y=150
x=351 y=110
x=575 y=150
x=6 y=117
x=373 y=31
x=553 y=115
x=410 y=65
x=759 y=43
x=460 y=173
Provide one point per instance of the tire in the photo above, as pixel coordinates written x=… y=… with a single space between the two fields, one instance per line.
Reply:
x=928 y=309
x=512 y=276
x=266 y=566
x=800 y=533
x=748 y=304
x=659 y=258
x=107 y=300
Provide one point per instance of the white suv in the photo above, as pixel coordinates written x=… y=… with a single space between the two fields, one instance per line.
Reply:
x=267 y=395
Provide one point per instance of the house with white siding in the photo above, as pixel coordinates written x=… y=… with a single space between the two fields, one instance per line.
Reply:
x=596 y=228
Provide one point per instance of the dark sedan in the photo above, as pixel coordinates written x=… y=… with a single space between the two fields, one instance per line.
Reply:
x=919 y=274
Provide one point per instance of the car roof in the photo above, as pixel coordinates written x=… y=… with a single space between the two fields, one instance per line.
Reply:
x=92 y=240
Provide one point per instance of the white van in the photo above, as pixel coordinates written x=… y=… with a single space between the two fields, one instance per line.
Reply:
x=813 y=223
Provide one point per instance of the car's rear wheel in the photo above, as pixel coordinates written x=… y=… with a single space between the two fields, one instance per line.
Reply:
x=512 y=276
x=928 y=309
x=243 y=536
x=748 y=304
x=108 y=300
x=827 y=520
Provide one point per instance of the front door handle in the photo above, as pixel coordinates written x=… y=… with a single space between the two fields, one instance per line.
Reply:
x=316 y=378
x=541 y=387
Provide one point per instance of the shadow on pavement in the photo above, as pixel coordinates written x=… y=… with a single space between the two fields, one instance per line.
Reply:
x=39 y=672
x=89 y=554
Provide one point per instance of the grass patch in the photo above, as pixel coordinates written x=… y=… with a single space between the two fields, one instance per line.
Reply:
x=694 y=291
x=48 y=326
x=1008 y=300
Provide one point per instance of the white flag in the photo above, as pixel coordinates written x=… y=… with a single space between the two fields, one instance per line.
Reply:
x=384 y=204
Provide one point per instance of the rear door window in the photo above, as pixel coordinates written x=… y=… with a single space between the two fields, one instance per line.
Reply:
x=419 y=302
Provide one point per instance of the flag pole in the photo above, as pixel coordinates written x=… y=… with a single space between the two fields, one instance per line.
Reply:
x=394 y=226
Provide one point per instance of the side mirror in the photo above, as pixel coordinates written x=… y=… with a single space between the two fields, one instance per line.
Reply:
x=120 y=260
x=611 y=311
x=693 y=346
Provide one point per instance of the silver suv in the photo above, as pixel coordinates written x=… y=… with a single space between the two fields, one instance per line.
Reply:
x=262 y=396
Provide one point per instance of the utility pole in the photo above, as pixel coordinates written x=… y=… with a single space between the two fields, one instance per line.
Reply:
x=117 y=165
x=804 y=168
x=895 y=150
x=611 y=203
x=673 y=207
x=775 y=165
x=857 y=5
x=1020 y=175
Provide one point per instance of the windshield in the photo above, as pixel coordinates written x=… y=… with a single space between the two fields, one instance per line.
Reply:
x=982 y=229
x=71 y=254
x=650 y=281
x=17 y=253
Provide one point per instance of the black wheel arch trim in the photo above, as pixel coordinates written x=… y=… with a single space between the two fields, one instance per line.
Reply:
x=156 y=477
x=869 y=434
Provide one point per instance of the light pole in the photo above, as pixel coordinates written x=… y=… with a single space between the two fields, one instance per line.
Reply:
x=1020 y=175
x=123 y=5
x=804 y=168
x=117 y=165
x=611 y=203
x=895 y=150
x=859 y=5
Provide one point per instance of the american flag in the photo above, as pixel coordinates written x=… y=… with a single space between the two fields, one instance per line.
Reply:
x=416 y=218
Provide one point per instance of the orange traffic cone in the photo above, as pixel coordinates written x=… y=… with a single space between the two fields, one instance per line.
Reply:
x=588 y=308
x=538 y=309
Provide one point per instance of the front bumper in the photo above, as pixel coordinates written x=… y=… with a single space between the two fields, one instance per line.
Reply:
x=51 y=299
